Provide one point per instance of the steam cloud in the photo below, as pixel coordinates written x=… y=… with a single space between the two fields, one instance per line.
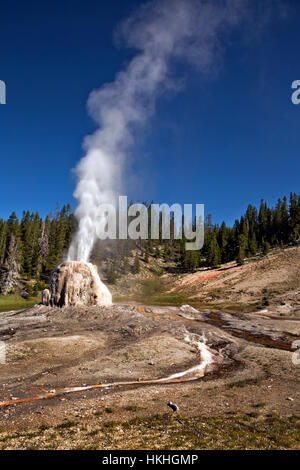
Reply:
x=162 y=32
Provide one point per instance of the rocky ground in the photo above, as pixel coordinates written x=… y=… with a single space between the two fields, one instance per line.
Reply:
x=246 y=395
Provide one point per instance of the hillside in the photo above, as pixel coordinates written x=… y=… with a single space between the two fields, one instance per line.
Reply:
x=271 y=283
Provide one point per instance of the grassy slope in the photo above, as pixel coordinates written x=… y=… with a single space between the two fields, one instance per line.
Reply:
x=154 y=285
x=153 y=292
x=16 y=302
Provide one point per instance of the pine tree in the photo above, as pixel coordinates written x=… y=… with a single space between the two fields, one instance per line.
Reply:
x=3 y=238
x=223 y=241
x=126 y=265
x=136 y=266
x=262 y=221
x=265 y=247
x=111 y=274
x=182 y=254
x=252 y=245
x=240 y=259
x=191 y=261
x=214 y=254
x=166 y=254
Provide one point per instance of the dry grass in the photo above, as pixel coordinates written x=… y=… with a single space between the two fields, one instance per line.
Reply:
x=234 y=431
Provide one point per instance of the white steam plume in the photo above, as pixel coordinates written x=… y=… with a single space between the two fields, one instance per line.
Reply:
x=162 y=31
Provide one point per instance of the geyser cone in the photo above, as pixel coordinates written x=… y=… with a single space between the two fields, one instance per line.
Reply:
x=76 y=283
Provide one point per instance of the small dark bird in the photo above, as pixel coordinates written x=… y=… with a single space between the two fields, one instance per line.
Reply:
x=173 y=406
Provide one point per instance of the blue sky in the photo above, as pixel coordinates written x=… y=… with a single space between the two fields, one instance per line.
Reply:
x=224 y=140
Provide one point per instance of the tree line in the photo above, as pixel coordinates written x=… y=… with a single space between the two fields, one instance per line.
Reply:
x=30 y=248
x=257 y=230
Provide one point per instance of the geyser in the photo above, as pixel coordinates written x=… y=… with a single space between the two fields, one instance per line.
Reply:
x=162 y=32
x=76 y=283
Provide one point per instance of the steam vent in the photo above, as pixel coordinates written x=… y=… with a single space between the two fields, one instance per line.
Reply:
x=75 y=283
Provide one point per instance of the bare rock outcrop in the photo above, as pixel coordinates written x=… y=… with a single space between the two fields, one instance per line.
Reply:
x=46 y=297
x=75 y=283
